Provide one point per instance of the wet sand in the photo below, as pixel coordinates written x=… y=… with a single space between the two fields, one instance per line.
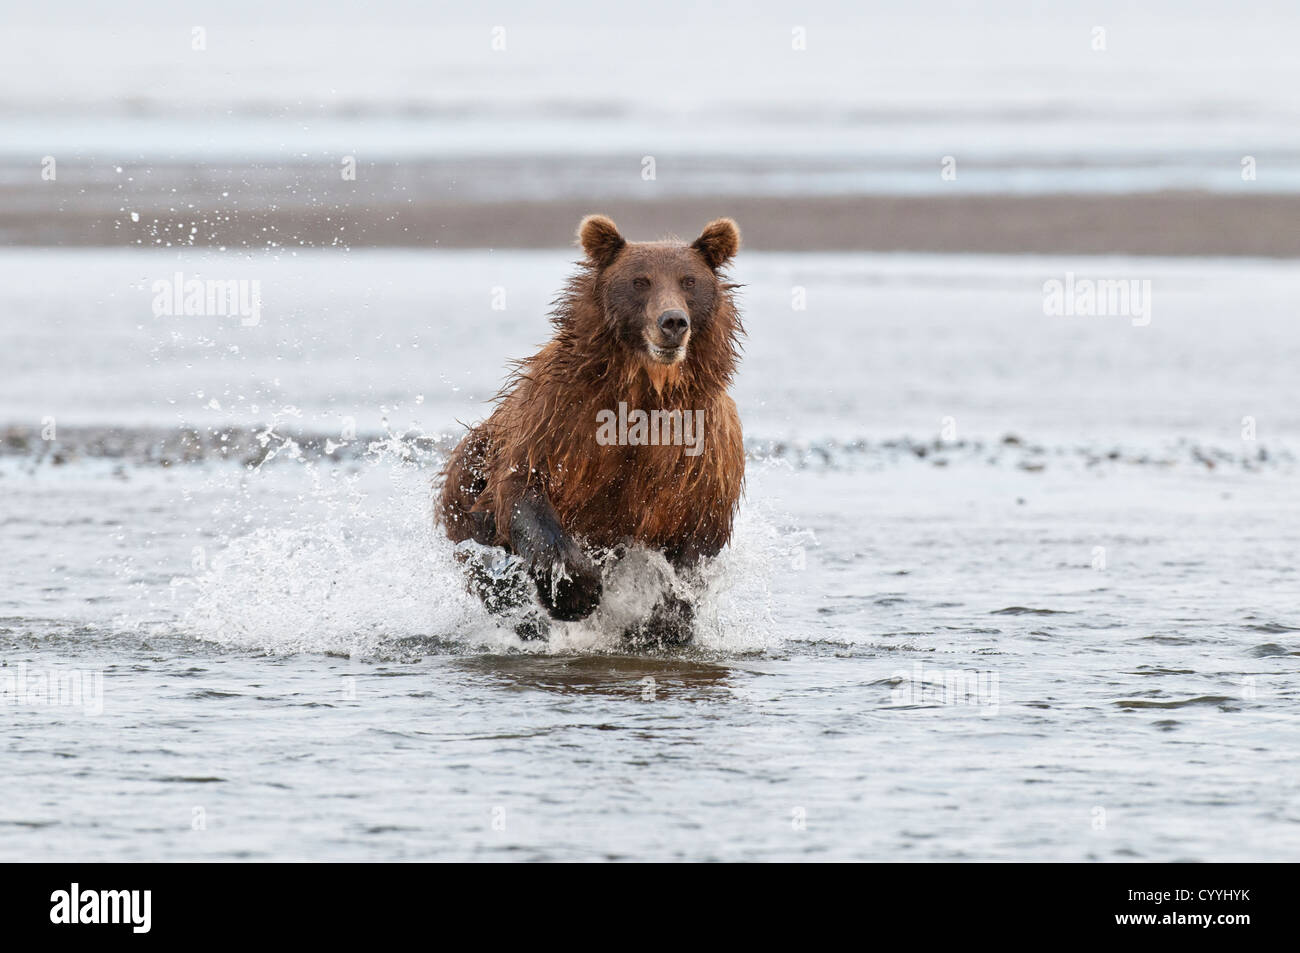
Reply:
x=1162 y=223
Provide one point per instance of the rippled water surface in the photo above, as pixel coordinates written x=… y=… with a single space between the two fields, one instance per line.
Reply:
x=1066 y=629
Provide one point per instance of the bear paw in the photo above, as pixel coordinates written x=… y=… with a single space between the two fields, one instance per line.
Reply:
x=572 y=590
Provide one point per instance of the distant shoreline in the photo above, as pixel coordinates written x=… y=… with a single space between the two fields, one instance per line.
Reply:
x=1157 y=223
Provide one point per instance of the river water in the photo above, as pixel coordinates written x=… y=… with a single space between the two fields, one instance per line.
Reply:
x=1005 y=585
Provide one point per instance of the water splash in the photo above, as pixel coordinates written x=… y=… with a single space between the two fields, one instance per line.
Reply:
x=349 y=562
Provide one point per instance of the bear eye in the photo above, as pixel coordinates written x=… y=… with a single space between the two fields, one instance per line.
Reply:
x=641 y=283
x=688 y=282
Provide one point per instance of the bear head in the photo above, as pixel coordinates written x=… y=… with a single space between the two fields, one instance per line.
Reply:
x=660 y=298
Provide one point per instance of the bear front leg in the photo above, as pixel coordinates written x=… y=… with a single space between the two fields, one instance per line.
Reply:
x=686 y=556
x=568 y=581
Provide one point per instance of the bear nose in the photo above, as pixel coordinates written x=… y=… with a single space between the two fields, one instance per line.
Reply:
x=674 y=324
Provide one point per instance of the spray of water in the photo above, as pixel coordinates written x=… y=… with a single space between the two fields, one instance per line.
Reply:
x=317 y=558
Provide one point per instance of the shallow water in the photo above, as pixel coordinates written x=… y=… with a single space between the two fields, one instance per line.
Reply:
x=1077 y=643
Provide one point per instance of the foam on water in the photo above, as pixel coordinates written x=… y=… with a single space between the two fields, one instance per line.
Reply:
x=356 y=567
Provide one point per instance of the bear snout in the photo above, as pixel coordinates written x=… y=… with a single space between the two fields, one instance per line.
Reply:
x=666 y=338
x=673 y=326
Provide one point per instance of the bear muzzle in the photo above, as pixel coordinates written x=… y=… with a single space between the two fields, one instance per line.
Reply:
x=667 y=344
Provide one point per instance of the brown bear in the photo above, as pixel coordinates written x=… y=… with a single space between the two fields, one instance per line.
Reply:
x=618 y=431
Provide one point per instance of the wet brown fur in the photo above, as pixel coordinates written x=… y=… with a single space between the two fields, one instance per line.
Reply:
x=542 y=433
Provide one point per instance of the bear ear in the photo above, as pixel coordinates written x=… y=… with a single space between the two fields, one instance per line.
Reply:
x=600 y=239
x=719 y=242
